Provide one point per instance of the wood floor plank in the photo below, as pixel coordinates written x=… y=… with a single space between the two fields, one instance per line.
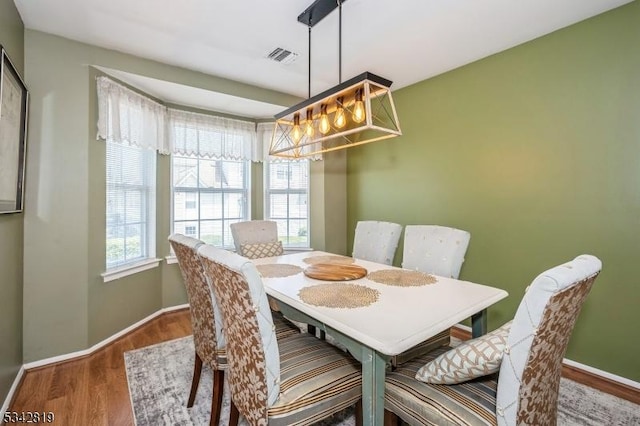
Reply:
x=93 y=390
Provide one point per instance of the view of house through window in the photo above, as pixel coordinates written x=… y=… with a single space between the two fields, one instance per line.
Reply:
x=287 y=200
x=209 y=195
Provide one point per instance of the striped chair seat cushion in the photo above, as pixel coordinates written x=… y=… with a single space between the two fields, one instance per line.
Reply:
x=284 y=327
x=419 y=403
x=316 y=380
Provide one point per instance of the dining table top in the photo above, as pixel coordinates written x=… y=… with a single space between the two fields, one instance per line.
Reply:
x=387 y=316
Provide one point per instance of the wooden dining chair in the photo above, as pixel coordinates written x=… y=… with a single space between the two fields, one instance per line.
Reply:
x=206 y=321
x=507 y=377
x=273 y=380
x=376 y=241
x=255 y=239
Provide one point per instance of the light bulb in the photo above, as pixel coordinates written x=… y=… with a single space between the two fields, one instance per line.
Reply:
x=359 y=113
x=324 y=120
x=339 y=120
x=296 y=133
x=309 y=130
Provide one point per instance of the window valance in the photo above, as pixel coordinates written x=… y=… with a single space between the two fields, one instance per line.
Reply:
x=127 y=117
x=209 y=136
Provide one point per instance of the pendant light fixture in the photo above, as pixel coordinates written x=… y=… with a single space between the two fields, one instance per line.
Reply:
x=355 y=112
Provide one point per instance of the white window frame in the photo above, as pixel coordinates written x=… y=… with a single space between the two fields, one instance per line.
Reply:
x=267 y=207
x=222 y=191
x=147 y=259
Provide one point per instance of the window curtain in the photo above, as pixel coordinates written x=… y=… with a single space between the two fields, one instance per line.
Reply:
x=210 y=136
x=128 y=118
x=264 y=132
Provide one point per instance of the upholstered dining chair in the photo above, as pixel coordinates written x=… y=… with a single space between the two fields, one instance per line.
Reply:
x=434 y=249
x=280 y=381
x=376 y=241
x=437 y=250
x=523 y=361
x=206 y=321
x=254 y=239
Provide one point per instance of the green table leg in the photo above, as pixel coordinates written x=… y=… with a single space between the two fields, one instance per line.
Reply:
x=479 y=324
x=373 y=370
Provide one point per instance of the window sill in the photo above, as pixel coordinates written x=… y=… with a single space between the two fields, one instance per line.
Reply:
x=296 y=249
x=124 y=271
x=171 y=260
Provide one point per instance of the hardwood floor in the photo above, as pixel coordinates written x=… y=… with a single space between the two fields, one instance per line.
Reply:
x=93 y=390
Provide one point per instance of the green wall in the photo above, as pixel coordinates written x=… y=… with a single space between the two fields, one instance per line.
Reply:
x=11 y=231
x=536 y=152
x=67 y=306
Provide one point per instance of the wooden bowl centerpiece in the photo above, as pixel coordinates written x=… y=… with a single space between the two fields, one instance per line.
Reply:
x=335 y=272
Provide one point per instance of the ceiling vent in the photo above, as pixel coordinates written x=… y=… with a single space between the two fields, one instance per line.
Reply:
x=283 y=56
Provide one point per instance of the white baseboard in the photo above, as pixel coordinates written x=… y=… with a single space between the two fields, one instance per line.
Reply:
x=12 y=391
x=602 y=373
x=99 y=345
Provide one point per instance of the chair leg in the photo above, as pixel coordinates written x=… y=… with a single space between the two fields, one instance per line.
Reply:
x=358 y=413
x=197 y=369
x=234 y=415
x=216 y=397
x=391 y=419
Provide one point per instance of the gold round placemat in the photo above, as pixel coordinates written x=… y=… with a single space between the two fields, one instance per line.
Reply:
x=335 y=259
x=402 y=277
x=339 y=295
x=278 y=270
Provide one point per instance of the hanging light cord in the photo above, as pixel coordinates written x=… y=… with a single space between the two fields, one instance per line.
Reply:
x=309 y=88
x=339 y=41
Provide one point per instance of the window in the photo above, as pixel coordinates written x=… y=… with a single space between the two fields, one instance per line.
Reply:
x=208 y=196
x=286 y=200
x=132 y=127
x=131 y=173
x=210 y=169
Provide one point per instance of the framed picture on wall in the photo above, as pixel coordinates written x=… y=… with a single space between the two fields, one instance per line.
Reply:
x=14 y=101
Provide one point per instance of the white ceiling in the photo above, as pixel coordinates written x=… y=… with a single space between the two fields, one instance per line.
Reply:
x=405 y=41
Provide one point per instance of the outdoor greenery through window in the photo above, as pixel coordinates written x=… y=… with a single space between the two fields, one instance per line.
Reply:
x=131 y=175
x=287 y=200
x=209 y=195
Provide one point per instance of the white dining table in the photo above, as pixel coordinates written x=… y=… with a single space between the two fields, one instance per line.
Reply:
x=401 y=318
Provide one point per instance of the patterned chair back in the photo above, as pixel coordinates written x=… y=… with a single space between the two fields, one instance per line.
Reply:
x=206 y=319
x=376 y=241
x=253 y=232
x=435 y=249
x=530 y=372
x=252 y=348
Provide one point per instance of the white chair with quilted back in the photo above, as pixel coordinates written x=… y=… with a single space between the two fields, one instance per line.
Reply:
x=254 y=239
x=434 y=249
x=437 y=250
x=280 y=381
x=459 y=386
x=376 y=241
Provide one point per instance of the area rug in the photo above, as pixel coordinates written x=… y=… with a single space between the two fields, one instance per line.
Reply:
x=159 y=378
